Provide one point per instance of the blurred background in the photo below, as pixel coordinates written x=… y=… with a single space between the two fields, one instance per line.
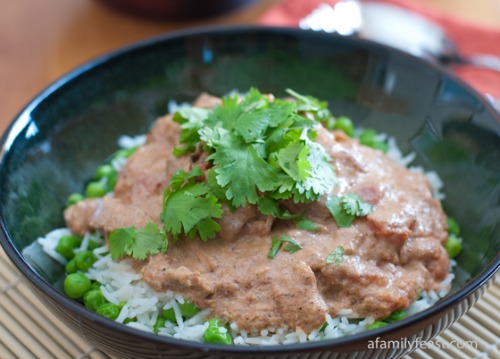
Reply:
x=43 y=39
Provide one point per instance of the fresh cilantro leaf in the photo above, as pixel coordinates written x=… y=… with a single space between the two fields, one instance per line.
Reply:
x=206 y=228
x=137 y=243
x=293 y=160
x=179 y=178
x=225 y=114
x=307 y=225
x=213 y=136
x=281 y=136
x=259 y=151
x=253 y=100
x=343 y=219
x=289 y=215
x=311 y=104
x=355 y=206
x=191 y=208
x=258 y=115
x=191 y=120
x=275 y=247
x=269 y=206
x=253 y=120
x=305 y=103
x=253 y=141
x=215 y=188
x=292 y=245
x=252 y=125
x=336 y=257
x=121 y=242
x=191 y=117
x=346 y=208
x=321 y=175
x=283 y=114
x=243 y=171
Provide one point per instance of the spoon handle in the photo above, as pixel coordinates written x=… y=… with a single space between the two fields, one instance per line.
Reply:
x=485 y=61
x=490 y=62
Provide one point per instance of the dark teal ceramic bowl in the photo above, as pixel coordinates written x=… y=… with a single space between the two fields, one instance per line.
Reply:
x=57 y=141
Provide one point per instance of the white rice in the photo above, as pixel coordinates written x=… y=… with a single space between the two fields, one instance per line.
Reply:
x=395 y=154
x=126 y=142
x=129 y=142
x=121 y=284
x=49 y=243
x=173 y=106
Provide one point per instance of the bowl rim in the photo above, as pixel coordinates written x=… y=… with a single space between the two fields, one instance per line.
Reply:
x=22 y=119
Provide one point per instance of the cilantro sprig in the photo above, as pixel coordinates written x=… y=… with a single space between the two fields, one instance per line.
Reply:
x=346 y=208
x=258 y=147
x=260 y=151
x=189 y=207
x=291 y=246
x=336 y=256
x=137 y=243
x=307 y=225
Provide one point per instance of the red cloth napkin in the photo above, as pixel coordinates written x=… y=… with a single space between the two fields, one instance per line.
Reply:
x=469 y=38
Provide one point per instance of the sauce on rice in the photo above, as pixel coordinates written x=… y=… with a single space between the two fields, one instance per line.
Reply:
x=389 y=256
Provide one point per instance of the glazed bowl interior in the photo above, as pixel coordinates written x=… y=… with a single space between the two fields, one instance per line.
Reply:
x=54 y=146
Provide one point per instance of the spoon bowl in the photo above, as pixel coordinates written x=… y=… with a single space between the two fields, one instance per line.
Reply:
x=394 y=26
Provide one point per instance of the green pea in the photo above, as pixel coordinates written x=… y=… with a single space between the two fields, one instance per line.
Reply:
x=78 y=239
x=329 y=123
x=377 y=324
x=216 y=334
x=188 y=309
x=76 y=285
x=93 y=299
x=67 y=245
x=367 y=135
x=107 y=171
x=169 y=314
x=453 y=227
x=345 y=125
x=71 y=267
x=109 y=310
x=104 y=171
x=74 y=198
x=213 y=322
x=398 y=314
x=125 y=153
x=84 y=260
x=95 y=190
x=160 y=323
x=93 y=245
x=453 y=246
x=96 y=285
x=368 y=138
x=379 y=145
x=111 y=182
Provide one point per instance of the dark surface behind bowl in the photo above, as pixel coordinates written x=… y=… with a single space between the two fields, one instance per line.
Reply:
x=56 y=143
x=176 y=10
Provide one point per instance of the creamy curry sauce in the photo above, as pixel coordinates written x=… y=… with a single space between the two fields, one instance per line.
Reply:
x=389 y=255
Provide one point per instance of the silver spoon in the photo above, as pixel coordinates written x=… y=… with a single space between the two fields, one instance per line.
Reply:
x=396 y=27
